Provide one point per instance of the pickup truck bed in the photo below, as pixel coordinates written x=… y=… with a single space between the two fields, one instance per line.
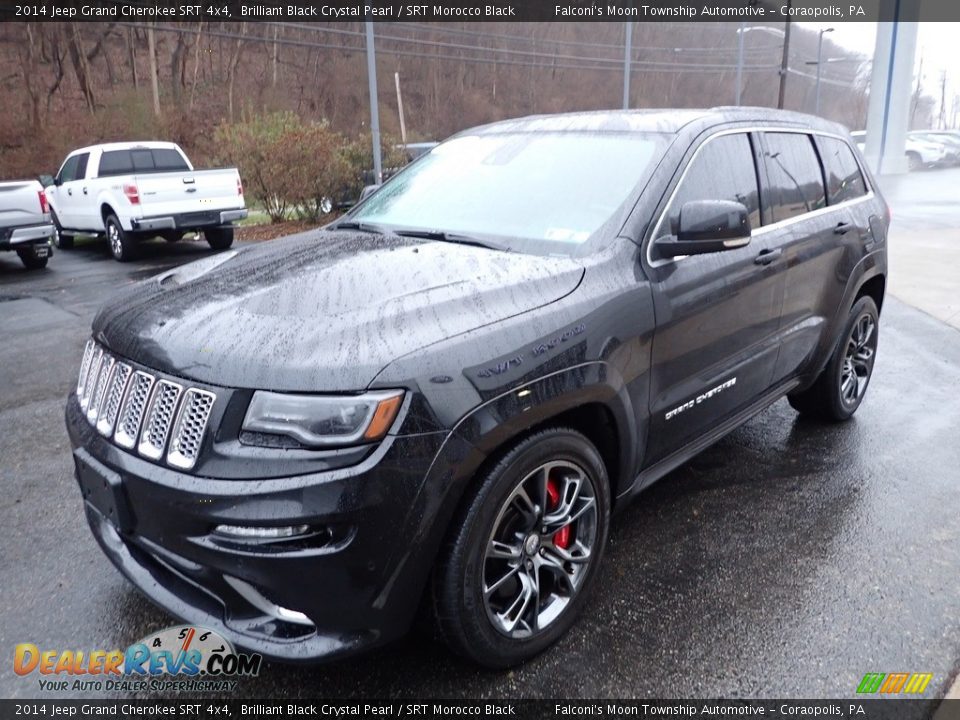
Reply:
x=25 y=226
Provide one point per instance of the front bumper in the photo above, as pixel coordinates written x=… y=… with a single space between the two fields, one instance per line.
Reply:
x=353 y=585
x=188 y=221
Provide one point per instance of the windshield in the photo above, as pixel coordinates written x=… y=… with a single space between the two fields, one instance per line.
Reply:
x=540 y=193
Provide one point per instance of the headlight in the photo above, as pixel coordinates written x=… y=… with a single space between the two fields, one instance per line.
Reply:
x=324 y=420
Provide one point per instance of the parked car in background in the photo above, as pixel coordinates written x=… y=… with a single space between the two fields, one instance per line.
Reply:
x=920 y=154
x=25 y=226
x=441 y=397
x=949 y=140
x=133 y=191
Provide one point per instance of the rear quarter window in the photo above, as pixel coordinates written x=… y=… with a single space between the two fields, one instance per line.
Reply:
x=844 y=179
x=795 y=174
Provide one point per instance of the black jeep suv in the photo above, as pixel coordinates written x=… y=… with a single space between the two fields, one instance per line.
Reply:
x=442 y=397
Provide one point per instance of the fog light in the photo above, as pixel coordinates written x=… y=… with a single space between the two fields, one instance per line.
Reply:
x=262 y=533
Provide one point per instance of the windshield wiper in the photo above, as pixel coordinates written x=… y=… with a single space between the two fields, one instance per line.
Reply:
x=362 y=227
x=457 y=238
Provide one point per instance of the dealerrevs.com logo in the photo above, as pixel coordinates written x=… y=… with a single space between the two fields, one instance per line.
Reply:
x=183 y=658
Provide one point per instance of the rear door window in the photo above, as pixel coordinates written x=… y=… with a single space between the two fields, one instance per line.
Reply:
x=795 y=175
x=82 y=165
x=844 y=179
x=723 y=169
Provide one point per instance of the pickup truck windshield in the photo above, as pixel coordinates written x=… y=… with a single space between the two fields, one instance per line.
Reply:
x=540 y=193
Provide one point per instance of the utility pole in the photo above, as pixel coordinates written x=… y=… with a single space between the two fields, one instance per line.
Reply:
x=915 y=100
x=374 y=105
x=627 y=58
x=785 y=61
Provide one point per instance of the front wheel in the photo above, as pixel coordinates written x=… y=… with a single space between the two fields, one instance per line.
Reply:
x=838 y=391
x=60 y=239
x=122 y=245
x=524 y=553
x=219 y=238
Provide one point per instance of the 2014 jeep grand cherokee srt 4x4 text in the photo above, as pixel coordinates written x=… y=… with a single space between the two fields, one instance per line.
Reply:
x=442 y=397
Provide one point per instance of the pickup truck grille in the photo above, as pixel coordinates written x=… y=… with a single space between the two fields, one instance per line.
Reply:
x=138 y=410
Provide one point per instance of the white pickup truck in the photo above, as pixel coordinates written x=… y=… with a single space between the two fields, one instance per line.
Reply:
x=132 y=191
x=25 y=225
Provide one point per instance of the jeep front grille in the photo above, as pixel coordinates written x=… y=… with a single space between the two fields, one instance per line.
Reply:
x=141 y=411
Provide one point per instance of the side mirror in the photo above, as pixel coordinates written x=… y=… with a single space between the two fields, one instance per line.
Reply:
x=47 y=180
x=368 y=191
x=708 y=226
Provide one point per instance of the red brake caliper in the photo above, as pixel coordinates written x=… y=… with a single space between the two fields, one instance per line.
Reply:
x=561 y=538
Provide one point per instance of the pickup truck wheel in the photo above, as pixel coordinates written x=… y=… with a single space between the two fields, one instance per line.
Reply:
x=219 y=238
x=60 y=239
x=840 y=388
x=122 y=246
x=31 y=261
x=524 y=551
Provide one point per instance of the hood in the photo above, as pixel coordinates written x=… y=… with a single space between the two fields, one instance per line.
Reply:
x=321 y=311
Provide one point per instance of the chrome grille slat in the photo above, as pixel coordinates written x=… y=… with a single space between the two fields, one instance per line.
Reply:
x=189 y=428
x=100 y=388
x=91 y=380
x=111 y=403
x=159 y=418
x=85 y=367
x=135 y=402
x=142 y=412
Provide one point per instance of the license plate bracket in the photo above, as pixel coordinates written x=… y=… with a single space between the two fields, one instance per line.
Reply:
x=103 y=489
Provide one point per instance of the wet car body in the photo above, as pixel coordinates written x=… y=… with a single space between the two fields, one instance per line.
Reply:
x=488 y=346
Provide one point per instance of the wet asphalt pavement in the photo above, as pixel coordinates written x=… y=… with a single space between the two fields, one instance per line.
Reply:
x=786 y=561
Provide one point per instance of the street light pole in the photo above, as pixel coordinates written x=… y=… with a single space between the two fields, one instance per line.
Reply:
x=819 y=67
x=374 y=105
x=740 y=33
x=627 y=61
x=785 y=61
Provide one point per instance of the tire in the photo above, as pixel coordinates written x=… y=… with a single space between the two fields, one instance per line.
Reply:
x=840 y=388
x=31 y=261
x=914 y=162
x=500 y=542
x=219 y=238
x=60 y=239
x=122 y=246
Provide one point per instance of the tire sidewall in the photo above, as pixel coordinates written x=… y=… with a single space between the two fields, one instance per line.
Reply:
x=840 y=409
x=124 y=242
x=490 y=646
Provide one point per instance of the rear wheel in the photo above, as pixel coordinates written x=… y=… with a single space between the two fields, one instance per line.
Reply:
x=122 y=245
x=914 y=161
x=840 y=388
x=30 y=260
x=60 y=239
x=219 y=238
x=525 y=551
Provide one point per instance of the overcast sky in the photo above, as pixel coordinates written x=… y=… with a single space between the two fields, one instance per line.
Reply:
x=937 y=42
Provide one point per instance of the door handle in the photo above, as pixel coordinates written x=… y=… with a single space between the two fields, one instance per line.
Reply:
x=767 y=256
x=84 y=191
x=842 y=228
x=69 y=191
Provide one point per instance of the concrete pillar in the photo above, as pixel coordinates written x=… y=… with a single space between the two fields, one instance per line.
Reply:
x=891 y=90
